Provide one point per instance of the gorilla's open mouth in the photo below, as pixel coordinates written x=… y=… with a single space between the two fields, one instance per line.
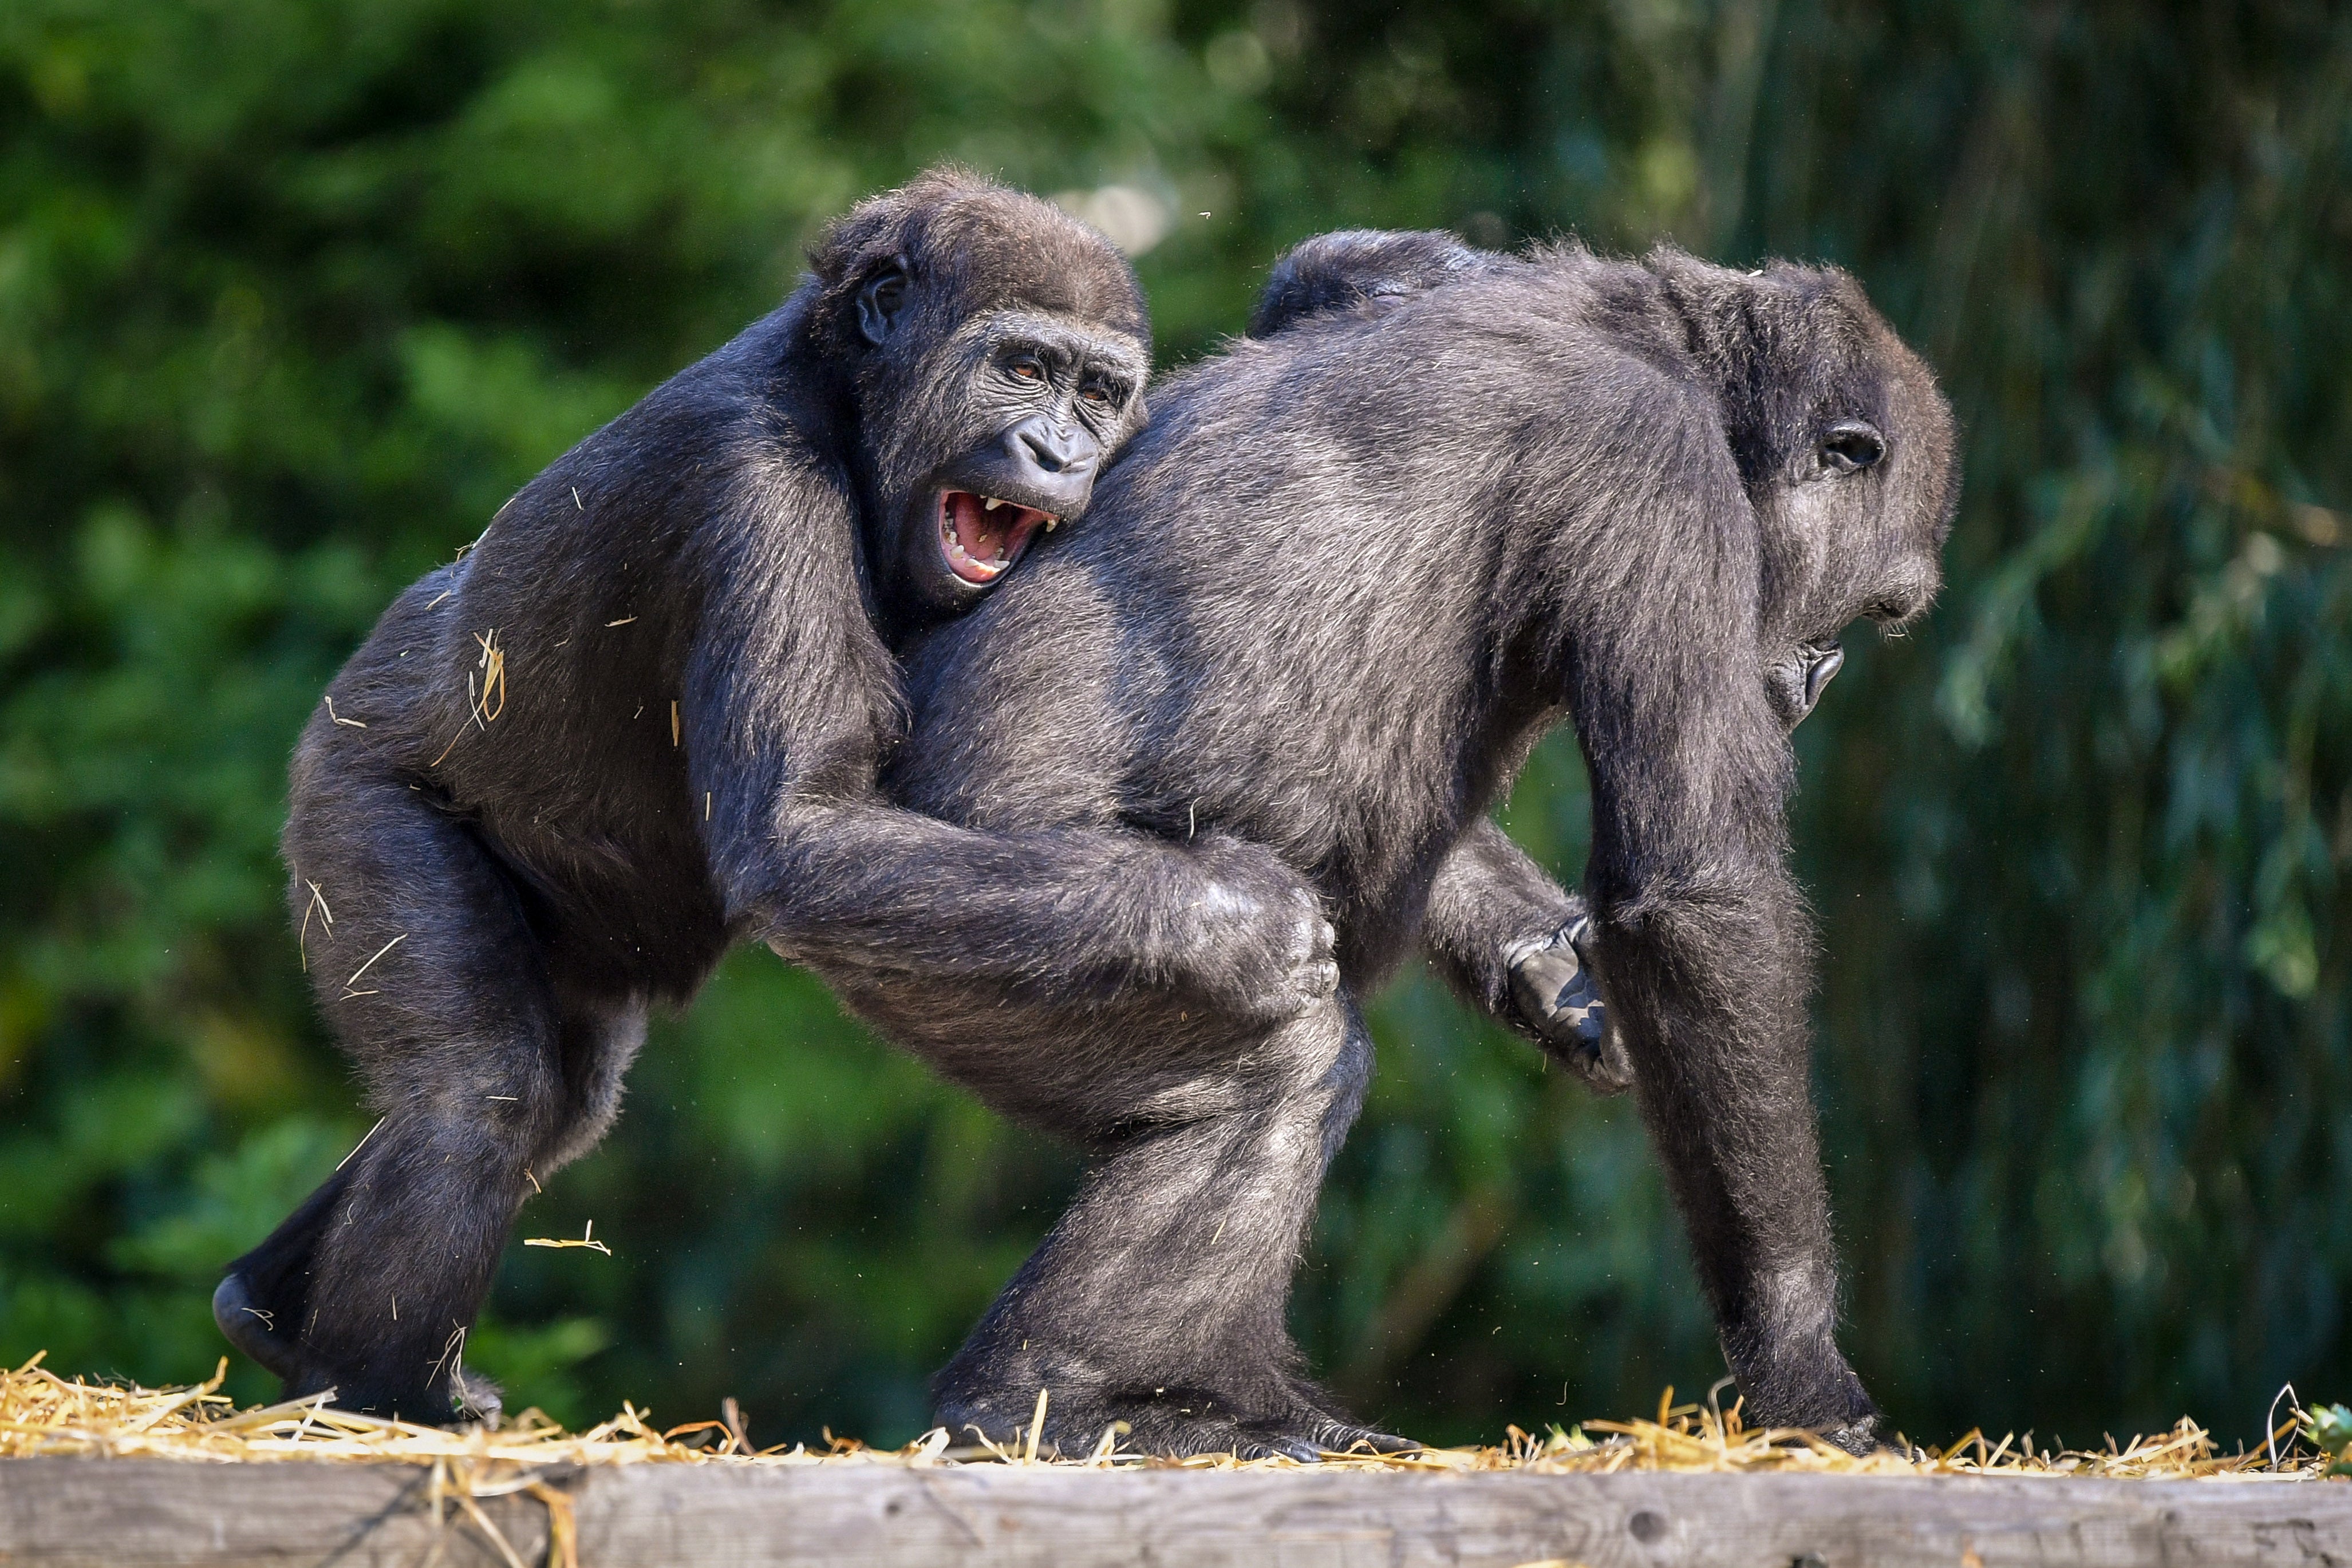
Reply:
x=982 y=537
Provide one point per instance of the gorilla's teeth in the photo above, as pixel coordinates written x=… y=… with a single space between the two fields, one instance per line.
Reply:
x=1050 y=520
x=990 y=504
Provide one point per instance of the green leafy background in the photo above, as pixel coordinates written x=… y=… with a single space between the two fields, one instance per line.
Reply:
x=294 y=292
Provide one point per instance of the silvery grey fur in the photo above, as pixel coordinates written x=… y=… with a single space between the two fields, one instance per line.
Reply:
x=1326 y=604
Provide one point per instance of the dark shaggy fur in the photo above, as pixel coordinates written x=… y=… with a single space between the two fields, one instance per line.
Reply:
x=641 y=720
x=1327 y=604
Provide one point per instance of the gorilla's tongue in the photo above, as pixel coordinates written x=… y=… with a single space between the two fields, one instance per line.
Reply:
x=982 y=540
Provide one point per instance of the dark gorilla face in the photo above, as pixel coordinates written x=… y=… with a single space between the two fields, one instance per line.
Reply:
x=1855 y=496
x=1041 y=403
x=999 y=350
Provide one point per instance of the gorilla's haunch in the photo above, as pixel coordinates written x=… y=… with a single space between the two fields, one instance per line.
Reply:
x=1328 y=604
x=641 y=720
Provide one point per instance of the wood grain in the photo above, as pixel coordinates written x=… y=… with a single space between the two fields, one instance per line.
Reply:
x=80 y=1513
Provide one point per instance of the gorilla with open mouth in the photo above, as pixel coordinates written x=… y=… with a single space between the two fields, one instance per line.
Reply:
x=641 y=720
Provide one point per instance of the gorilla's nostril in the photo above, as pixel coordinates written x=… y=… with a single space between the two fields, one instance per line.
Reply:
x=1049 y=450
x=1055 y=464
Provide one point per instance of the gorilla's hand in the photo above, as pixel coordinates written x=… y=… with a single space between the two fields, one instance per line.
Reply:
x=1252 y=939
x=1553 y=986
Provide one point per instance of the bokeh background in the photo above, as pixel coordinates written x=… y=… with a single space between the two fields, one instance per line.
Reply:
x=293 y=293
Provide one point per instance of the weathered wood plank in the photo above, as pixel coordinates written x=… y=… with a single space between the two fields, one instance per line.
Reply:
x=80 y=1513
x=68 y=1513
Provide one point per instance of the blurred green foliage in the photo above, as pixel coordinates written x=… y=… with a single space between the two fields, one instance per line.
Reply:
x=294 y=292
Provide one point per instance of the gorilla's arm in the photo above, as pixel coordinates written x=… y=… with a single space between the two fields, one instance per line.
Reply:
x=1702 y=932
x=1489 y=903
x=1073 y=916
x=790 y=699
x=1512 y=941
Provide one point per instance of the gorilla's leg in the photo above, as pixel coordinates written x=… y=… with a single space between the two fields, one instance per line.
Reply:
x=598 y=1043
x=596 y=1049
x=1158 y=1300
x=432 y=979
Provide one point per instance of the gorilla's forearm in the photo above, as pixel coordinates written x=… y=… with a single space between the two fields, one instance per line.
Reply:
x=1708 y=981
x=863 y=889
x=1490 y=902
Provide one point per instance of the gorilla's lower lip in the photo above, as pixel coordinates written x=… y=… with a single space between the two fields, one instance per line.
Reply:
x=1822 y=664
x=980 y=536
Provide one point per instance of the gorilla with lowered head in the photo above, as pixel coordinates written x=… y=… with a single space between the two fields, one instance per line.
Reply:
x=1355 y=570
x=640 y=720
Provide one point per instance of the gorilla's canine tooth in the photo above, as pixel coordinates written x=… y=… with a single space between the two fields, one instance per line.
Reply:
x=990 y=504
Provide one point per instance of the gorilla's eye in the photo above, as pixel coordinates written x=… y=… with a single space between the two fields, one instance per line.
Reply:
x=1096 y=395
x=1852 y=445
x=1026 y=368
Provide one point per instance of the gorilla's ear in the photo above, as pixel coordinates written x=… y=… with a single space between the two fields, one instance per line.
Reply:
x=880 y=301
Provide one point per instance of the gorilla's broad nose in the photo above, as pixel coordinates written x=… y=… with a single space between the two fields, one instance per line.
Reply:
x=1055 y=450
x=1045 y=465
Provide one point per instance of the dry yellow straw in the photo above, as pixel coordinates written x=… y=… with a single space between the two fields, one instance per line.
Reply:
x=43 y=1413
x=587 y=1237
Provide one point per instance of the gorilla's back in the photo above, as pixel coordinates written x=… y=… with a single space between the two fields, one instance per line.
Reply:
x=1288 y=614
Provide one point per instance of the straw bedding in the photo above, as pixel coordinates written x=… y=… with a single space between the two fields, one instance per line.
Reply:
x=43 y=1414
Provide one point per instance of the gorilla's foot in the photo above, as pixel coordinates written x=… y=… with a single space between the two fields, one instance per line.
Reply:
x=1860 y=1438
x=456 y=1396
x=262 y=1304
x=251 y=1325
x=475 y=1401
x=1166 y=1421
x=463 y=1397
x=1799 y=1380
x=1332 y=1429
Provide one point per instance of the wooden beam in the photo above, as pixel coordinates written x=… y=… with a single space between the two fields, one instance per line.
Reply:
x=134 y=1513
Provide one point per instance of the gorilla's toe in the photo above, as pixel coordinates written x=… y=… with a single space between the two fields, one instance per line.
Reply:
x=1316 y=1417
x=476 y=1399
x=1860 y=1438
x=1335 y=1437
x=1251 y=1444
